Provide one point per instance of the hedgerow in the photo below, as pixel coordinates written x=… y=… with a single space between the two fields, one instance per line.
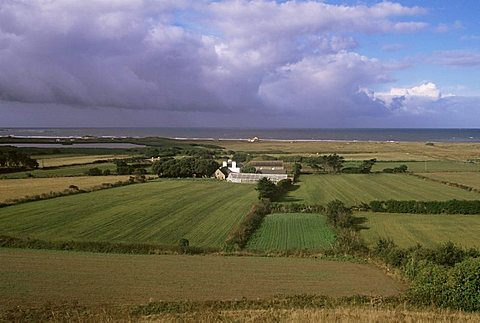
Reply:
x=427 y=207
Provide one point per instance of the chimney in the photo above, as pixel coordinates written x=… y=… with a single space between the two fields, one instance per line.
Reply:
x=224 y=164
x=234 y=164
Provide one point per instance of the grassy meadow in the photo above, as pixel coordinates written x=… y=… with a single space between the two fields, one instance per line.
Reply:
x=17 y=188
x=407 y=230
x=471 y=179
x=430 y=166
x=354 y=189
x=160 y=212
x=62 y=160
x=64 y=171
x=35 y=277
x=292 y=231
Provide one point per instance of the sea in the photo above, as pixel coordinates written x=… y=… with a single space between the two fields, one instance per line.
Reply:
x=290 y=134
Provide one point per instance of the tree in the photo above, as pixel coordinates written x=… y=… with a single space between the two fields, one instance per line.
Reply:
x=366 y=166
x=333 y=163
x=266 y=189
x=338 y=214
x=240 y=157
x=296 y=170
x=284 y=185
x=122 y=167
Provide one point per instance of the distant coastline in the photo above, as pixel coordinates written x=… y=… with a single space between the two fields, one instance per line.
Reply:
x=283 y=134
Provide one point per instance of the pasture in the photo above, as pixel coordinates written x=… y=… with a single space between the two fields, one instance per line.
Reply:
x=17 y=188
x=354 y=189
x=430 y=166
x=292 y=231
x=471 y=179
x=33 y=277
x=65 y=171
x=62 y=160
x=406 y=230
x=160 y=212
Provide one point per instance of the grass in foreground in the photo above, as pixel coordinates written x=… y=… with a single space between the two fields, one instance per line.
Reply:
x=354 y=189
x=36 y=277
x=406 y=230
x=282 y=232
x=18 y=188
x=160 y=212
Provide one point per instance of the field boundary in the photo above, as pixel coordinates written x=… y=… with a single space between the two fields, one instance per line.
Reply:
x=101 y=246
x=453 y=184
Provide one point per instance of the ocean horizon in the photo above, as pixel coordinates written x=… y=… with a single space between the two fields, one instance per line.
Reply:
x=307 y=134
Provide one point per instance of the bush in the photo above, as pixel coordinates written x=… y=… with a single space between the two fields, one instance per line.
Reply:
x=266 y=189
x=338 y=214
x=94 y=172
x=455 y=287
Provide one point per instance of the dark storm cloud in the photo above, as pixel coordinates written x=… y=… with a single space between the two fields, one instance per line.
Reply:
x=198 y=57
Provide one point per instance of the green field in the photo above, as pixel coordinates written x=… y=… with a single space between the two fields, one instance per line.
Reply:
x=77 y=170
x=160 y=212
x=430 y=166
x=353 y=189
x=281 y=232
x=471 y=179
x=37 y=277
x=407 y=230
x=13 y=189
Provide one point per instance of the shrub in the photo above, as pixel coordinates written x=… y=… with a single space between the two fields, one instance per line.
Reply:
x=94 y=172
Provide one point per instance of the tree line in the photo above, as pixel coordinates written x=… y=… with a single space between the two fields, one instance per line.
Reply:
x=16 y=159
x=185 y=167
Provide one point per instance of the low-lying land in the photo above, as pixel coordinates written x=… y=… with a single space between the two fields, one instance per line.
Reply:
x=353 y=189
x=160 y=212
x=292 y=231
x=407 y=230
x=11 y=189
x=396 y=150
x=36 y=277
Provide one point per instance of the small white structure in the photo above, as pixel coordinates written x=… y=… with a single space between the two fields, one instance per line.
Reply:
x=254 y=139
x=231 y=165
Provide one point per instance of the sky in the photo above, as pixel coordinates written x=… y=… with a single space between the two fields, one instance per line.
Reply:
x=239 y=63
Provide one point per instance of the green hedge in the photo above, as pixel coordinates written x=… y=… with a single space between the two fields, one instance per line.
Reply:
x=98 y=246
x=427 y=207
x=239 y=237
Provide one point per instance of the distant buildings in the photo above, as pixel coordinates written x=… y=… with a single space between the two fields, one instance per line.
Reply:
x=230 y=171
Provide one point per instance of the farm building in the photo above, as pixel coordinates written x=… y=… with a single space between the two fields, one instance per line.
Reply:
x=232 y=166
x=253 y=178
x=222 y=173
